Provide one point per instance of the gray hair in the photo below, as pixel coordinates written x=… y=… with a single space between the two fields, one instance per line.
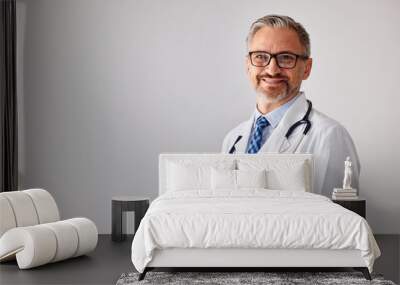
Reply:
x=279 y=21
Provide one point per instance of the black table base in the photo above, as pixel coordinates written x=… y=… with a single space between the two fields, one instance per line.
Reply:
x=118 y=207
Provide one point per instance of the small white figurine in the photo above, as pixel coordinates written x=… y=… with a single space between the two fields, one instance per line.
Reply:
x=348 y=172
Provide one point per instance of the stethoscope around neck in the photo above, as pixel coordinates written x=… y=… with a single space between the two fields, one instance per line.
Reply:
x=304 y=121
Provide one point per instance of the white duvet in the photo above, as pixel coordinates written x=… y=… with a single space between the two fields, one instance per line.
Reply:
x=251 y=218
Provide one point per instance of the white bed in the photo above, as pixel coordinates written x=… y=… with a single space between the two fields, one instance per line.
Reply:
x=201 y=220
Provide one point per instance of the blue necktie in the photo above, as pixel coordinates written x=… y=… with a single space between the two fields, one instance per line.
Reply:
x=255 y=142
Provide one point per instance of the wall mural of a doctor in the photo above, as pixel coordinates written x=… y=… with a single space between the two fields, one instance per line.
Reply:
x=284 y=121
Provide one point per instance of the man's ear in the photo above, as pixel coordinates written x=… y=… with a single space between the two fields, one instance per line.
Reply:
x=307 y=69
x=247 y=64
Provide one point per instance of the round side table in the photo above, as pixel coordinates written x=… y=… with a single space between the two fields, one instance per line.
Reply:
x=121 y=204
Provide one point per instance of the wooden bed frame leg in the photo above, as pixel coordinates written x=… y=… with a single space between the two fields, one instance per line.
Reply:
x=143 y=274
x=364 y=271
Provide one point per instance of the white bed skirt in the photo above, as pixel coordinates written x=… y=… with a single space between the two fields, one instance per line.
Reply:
x=193 y=257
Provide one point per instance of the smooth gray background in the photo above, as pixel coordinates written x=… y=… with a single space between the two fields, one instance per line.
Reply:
x=105 y=86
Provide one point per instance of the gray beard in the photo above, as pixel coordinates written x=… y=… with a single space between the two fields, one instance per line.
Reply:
x=281 y=96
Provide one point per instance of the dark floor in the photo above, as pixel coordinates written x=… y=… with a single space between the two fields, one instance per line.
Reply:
x=111 y=259
x=102 y=266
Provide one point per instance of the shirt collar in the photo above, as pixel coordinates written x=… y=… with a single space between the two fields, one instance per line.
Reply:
x=275 y=116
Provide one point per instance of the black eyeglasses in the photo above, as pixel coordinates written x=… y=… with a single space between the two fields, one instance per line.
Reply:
x=286 y=60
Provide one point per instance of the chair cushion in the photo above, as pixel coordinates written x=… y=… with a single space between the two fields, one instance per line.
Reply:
x=45 y=205
x=23 y=208
x=87 y=233
x=32 y=246
x=67 y=239
x=7 y=220
x=26 y=208
x=40 y=244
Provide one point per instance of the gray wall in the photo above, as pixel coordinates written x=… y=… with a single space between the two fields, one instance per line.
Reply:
x=105 y=86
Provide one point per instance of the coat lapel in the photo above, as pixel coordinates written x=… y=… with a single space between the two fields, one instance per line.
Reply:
x=277 y=141
x=244 y=131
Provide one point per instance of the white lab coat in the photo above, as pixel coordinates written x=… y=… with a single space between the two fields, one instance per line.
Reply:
x=327 y=140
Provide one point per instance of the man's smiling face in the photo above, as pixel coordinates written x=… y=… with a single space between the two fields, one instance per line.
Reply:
x=277 y=85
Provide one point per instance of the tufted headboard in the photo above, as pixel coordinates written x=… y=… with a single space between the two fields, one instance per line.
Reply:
x=267 y=160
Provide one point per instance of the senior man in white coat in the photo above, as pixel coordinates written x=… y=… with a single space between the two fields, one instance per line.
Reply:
x=284 y=120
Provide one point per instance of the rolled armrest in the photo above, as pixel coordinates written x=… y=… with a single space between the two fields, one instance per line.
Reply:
x=40 y=244
x=32 y=246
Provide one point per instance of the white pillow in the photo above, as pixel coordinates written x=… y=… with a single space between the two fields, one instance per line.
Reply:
x=237 y=179
x=293 y=178
x=183 y=177
x=281 y=175
x=223 y=179
x=251 y=178
x=188 y=175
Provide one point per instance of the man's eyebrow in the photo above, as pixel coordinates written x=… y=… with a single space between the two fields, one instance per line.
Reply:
x=289 y=51
x=284 y=51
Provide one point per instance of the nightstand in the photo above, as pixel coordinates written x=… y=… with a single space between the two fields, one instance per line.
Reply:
x=358 y=206
x=121 y=204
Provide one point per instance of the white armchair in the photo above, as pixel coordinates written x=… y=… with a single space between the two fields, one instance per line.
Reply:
x=31 y=230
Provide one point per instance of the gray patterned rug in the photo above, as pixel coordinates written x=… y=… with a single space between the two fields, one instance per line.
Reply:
x=269 y=278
